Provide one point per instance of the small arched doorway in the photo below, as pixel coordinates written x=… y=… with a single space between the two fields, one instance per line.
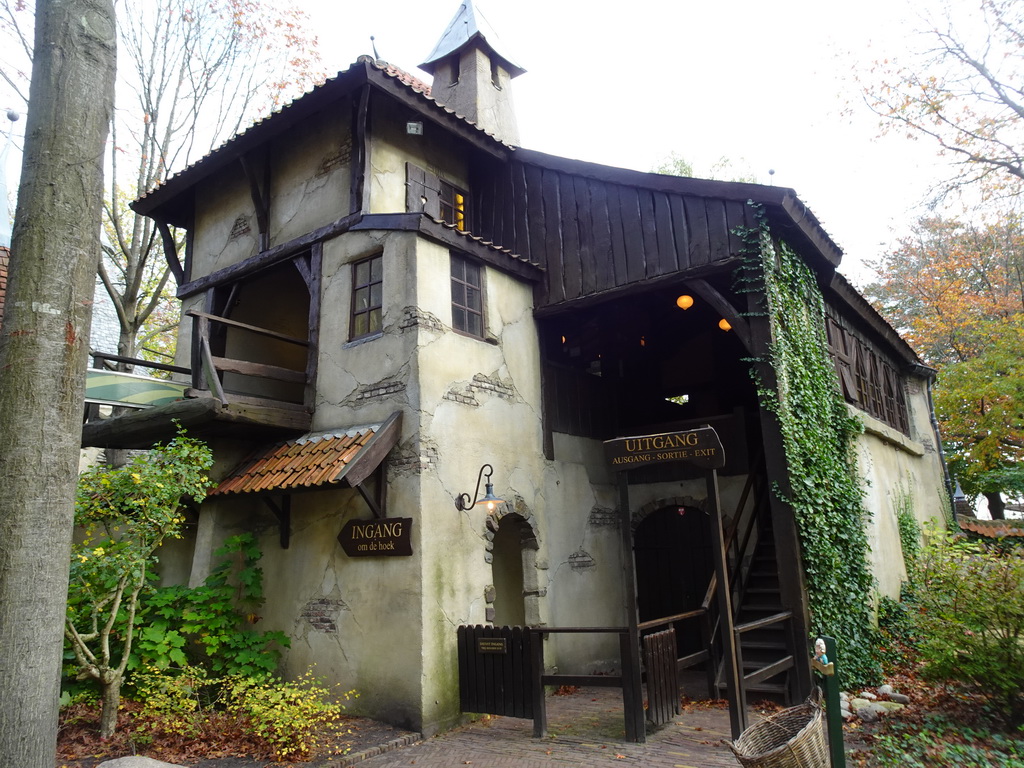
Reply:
x=507 y=571
x=673 y=554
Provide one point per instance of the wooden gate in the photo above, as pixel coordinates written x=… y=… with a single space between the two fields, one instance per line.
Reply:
x=662 y=676
x=495 y=671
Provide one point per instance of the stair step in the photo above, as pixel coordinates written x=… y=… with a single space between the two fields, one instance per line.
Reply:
x=762 y=645
x=765 y=609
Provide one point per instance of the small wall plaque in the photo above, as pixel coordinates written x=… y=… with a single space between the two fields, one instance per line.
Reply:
x=492 y=645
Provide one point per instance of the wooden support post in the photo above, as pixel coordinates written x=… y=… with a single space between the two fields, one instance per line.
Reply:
x=827 y=669
x=737 y=710
x=632 y=692
x=540 y=713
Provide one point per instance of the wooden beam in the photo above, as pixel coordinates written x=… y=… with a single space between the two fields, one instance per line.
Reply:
x=359 y=197
x=370 y=501
x=261 y=402
x=316 y=257
x=283 y=514
x=210 y=371
x=373 y=453
x=730 y=661
x=202 y=416
x=267 y=258
x=171 y=252
x=262 y=370
x=635 y=289
x=260 y=198
x=246 y=327
x=710 y=294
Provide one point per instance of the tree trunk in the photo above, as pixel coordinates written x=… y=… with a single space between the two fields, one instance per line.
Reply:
x=111 y=692
x=43 y=350
x=996 y=505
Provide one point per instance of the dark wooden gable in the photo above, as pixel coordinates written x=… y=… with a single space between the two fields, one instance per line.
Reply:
x=593 y=235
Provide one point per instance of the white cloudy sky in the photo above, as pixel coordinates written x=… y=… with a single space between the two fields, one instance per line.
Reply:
x=762 y=83
x=765 y=83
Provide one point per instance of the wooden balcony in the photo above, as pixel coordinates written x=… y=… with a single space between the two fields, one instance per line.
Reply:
x=227 y=396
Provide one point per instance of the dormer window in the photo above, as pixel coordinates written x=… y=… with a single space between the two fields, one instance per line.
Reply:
x=452 y=202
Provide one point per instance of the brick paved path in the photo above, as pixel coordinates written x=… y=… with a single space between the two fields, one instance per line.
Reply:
x=585 y=729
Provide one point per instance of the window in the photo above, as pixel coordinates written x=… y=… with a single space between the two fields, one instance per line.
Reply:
x=367 y=296
x=467 y=299
x=453 y=205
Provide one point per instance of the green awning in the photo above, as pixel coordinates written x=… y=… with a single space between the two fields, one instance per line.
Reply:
x=130 y=389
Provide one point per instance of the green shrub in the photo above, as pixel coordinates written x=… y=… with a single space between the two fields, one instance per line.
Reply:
x=938 y=742
x=970 y=619
x=288 y=716
x=212 y=625
x=173 y=701
x=909 y=528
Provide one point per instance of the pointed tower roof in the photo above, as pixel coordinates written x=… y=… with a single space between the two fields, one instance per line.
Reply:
x=467 y=26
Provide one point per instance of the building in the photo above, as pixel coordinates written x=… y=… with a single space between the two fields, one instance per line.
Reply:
x=386 y=295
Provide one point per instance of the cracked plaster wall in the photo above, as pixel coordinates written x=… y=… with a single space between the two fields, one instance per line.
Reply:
x=335 y=609
x=309 y=178
x=309 y=187
x=225 y=229
x=894 y=465
x=392 y=148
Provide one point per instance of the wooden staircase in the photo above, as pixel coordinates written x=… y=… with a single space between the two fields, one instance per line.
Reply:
x=761 y=623
x=760 y=598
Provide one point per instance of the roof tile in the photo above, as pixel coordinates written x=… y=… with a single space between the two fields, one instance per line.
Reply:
x=992 y=529
x=303 y=463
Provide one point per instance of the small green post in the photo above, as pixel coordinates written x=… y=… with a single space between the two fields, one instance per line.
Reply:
x=824 y=663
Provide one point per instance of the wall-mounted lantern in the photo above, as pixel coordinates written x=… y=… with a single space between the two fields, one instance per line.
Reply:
x=462 y=502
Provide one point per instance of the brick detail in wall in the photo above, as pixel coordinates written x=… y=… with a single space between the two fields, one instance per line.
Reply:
x=413 y=317
x=378 y=389
x=581 y=560
x=322 y=613
x=480 y=385
x=414 y=457
x=601 y=517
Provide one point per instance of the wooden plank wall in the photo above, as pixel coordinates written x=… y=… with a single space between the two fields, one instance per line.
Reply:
x=594 y=235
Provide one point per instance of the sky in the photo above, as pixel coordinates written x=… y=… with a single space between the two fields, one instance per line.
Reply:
x=767 y=85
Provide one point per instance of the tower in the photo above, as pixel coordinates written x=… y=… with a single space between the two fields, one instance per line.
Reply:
x=472 y=77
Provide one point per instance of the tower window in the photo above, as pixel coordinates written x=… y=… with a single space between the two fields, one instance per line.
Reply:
x=367 y=296
x=467 y=297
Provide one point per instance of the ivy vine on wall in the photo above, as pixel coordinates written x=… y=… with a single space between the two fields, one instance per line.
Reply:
x=818 y=437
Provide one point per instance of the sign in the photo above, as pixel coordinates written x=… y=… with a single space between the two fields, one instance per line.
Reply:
x=492 y=645
x=387 y=537
x=700 y=447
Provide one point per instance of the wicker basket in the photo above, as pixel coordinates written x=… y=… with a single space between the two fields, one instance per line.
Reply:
x=792 y=738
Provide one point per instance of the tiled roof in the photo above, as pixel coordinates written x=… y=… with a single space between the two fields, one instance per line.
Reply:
x=324 y=458
x=414 y=84
x=992 y=529
x=400 y=74
x=5 y=260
